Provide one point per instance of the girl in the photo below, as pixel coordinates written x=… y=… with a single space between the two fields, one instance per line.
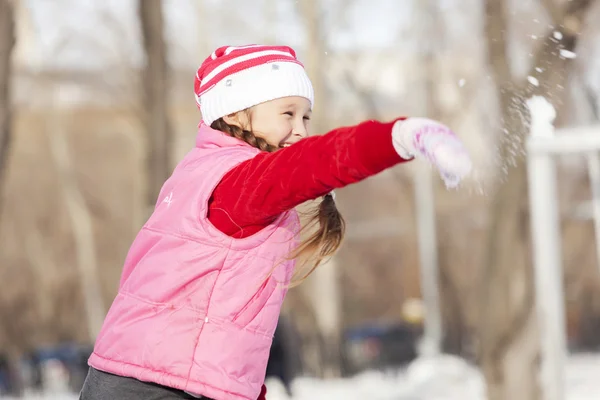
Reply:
x=205 y=278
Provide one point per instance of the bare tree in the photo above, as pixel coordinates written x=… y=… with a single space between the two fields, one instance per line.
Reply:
x=155 y=99
x=508 y=341
x=81 y=223
x=315 y=52
x=324 y=284
x=7 y=42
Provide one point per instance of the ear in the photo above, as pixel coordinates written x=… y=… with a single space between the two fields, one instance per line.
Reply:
x=240 y=119
x=232 y=119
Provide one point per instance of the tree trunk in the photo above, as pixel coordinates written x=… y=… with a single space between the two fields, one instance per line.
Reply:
x=315 y=61
x=508 y=337
x=82 y=226
x=324 y=284
x=155 y=99
x=7 y=42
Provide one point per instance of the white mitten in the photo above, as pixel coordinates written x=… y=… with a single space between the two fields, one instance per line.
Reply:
x=428 y=139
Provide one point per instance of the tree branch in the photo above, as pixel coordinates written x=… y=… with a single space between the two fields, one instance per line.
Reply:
x=563 y=37
x=553 y=11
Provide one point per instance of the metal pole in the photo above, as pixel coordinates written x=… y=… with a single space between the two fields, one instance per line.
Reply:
x=427 y=239
x=429 y=26
x=573 y=140
x=327 y=308
x=543 y=202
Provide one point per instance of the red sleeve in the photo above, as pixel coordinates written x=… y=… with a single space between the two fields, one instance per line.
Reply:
x=255 y=192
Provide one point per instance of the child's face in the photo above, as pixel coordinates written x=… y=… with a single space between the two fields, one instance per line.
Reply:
x=281 y=122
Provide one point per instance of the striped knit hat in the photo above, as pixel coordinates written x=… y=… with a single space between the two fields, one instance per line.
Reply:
x=232 y=79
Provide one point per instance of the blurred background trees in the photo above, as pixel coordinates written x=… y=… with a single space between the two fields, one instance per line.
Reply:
x=102 y=108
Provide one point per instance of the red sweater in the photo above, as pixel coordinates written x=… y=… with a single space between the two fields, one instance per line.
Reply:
x=254 y=193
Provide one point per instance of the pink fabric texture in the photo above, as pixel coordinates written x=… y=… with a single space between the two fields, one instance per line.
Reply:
x=196 y=309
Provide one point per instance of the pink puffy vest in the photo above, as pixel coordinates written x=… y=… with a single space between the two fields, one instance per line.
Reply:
x=196 y=309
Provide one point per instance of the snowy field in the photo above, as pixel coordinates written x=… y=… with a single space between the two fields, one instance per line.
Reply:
x=443 y=378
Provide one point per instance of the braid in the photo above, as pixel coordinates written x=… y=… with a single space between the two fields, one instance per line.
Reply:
x=329 y=223
x=243 y=134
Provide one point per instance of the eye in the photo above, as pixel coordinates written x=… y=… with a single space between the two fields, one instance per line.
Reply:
x=306 y=118
x=291 y=114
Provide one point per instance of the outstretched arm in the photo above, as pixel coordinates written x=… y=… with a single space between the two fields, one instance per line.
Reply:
x=254 y=193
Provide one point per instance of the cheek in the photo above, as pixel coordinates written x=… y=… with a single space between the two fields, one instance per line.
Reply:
x=274 y=131
x=282 y=129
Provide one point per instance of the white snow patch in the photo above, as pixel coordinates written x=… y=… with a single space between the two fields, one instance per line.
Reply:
x=542 y=116
x=440 y=378
x=567 y=54
x=533 y=81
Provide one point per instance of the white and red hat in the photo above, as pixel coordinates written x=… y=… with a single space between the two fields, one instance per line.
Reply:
x=232 y=79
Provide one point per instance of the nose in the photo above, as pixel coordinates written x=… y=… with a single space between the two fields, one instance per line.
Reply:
x=299 y=131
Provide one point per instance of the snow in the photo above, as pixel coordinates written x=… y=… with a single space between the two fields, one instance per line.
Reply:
x=567 y=54
x=533 y=81
x=440 y=378
x=542 y=116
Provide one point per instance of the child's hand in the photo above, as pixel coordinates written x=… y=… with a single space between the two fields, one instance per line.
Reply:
x=422 y=137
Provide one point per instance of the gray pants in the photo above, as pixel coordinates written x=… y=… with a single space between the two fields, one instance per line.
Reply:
x=103 y=386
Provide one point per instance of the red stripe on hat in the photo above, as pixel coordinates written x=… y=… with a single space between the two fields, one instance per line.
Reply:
x=240 y=67
x=210 y=64
x=219 y=58
x=235 y=57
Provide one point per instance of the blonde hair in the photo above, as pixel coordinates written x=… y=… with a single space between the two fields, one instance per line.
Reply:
x=325 y=221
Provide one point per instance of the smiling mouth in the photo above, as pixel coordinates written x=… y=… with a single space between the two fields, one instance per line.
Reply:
x=283 y=145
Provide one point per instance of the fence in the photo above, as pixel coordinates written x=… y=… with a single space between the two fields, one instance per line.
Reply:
x=543 y=144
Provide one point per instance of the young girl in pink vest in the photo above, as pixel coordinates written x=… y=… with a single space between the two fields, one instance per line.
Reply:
x=205 y=278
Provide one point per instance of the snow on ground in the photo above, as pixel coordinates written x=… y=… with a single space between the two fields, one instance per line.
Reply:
x=441 y=378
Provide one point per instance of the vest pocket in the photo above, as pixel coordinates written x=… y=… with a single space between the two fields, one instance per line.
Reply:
x=253 y=307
